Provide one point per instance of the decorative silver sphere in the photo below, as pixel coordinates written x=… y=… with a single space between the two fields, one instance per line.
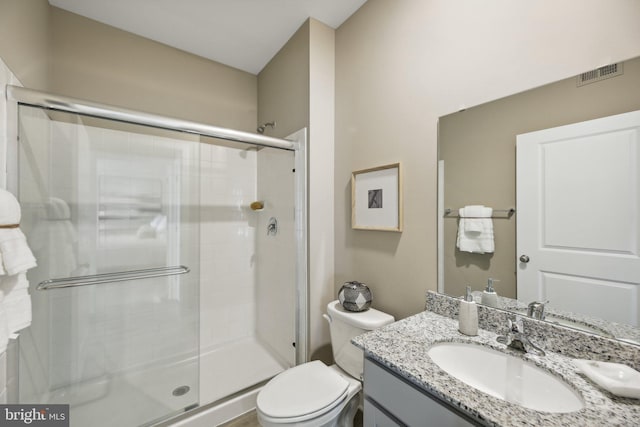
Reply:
x=355 y=296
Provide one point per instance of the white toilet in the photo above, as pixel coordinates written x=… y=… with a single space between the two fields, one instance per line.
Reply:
x=314 y=394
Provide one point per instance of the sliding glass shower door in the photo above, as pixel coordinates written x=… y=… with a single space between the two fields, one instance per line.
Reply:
x=111 y=211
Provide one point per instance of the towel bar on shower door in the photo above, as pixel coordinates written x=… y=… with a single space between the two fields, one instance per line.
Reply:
x=119 y=276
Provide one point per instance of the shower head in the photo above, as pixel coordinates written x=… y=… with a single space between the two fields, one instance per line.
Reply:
x=270 y=124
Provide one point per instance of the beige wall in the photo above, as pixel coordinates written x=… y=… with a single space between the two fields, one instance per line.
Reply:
x=283 y=87
x=296 y=89
x=24 y=40
x=478 y=147
x=95 y=61
x=400 y=65
x=54 y=50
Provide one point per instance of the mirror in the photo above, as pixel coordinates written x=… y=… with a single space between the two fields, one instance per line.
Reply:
x=477 y=158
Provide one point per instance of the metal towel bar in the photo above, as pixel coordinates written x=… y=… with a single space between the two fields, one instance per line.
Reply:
x=119 y=276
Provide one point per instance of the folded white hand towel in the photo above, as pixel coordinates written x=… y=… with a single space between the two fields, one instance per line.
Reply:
x=475 y=229
x=4 y=325
x=9 y=208
x=473 y=215
x=18 y=309
x=9 y=284
x=475 y=211
x=16 y=255
x=15 y=259
x=15 y=304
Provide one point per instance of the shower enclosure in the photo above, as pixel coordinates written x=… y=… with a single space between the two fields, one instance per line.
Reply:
x=158 y=289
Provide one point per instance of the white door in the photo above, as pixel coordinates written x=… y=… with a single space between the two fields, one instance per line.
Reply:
x=578 y=217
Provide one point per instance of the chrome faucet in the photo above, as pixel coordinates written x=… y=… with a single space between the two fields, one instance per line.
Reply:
x=535 y=310
x=517 y=340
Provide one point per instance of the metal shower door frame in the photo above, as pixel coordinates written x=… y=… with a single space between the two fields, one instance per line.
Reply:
x=296 y=142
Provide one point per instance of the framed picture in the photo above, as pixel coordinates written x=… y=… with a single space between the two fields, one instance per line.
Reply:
x=376 y=198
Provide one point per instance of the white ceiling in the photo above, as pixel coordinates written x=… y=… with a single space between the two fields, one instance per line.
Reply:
x=244 y=34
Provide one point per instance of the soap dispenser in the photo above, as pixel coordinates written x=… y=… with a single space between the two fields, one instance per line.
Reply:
x=489 y=296
x=468 y=315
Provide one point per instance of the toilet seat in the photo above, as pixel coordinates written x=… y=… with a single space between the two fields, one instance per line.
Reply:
x=302 y=393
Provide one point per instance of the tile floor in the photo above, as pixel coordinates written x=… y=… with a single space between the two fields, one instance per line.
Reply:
x=250 y=419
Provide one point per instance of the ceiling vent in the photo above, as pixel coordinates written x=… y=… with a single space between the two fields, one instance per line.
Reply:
x=599 y=74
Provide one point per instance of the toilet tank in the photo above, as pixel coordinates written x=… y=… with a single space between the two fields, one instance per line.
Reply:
x=345 y=325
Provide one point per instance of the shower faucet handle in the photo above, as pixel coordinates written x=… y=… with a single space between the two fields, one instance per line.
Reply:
x=272 y=227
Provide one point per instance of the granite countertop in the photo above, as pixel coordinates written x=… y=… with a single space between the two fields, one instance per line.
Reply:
x=402 y=347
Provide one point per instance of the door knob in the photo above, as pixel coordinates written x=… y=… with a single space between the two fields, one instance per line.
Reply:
x=524 y=258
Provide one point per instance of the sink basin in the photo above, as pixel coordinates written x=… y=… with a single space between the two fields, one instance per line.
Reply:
x=505 y=377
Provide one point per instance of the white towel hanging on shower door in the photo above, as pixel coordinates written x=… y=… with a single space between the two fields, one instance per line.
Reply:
x=15 y=259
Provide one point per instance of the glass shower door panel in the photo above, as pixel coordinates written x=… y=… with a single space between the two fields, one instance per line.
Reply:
x=101 y=197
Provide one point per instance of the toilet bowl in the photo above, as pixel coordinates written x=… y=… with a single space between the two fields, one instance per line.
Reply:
x=314 y=394
x=311 y=394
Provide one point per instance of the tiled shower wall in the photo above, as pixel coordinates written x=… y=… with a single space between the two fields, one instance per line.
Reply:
x=247 y=277
x=227 y=244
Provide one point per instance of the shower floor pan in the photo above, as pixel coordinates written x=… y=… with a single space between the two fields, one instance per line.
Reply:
x=139 y=398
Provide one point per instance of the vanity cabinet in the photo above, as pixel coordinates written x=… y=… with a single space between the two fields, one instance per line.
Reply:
x=390 y=401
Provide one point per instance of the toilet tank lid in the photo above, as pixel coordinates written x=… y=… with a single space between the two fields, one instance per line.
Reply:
x=368 y=320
